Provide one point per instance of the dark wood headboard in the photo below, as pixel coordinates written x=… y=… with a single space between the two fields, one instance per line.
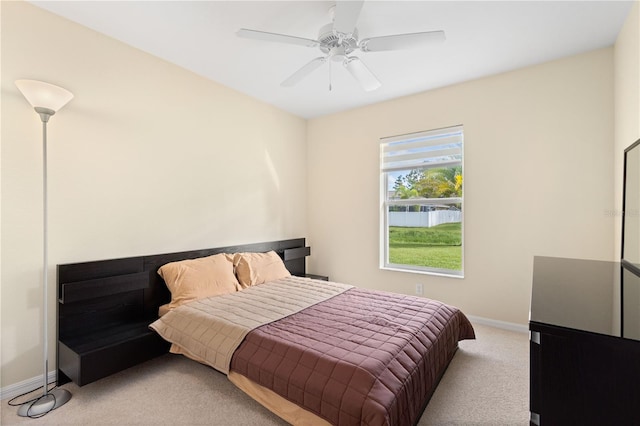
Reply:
x=105 y=307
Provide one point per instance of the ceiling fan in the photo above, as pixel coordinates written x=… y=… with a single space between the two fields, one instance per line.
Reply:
x=339 y=39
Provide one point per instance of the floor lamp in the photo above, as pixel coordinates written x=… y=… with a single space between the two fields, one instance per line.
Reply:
x=46 y=100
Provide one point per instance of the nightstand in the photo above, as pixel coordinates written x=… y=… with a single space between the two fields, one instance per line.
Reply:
x=316 y=277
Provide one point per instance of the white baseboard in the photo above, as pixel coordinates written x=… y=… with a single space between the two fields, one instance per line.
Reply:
x=511 y=326
x=28 y=385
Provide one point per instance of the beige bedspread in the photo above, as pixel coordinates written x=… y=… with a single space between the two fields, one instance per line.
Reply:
x=211 y=329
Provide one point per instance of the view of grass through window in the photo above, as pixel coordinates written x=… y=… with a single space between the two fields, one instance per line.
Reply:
x=437 y=244
x=437 y=247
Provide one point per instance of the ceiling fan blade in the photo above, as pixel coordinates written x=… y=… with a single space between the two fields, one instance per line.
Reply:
x=278 y=38
x=401 y=41
x=303 y=72
x=360 y=72
x=346 y=15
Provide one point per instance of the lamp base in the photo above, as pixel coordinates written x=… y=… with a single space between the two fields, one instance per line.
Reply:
x=45 y=403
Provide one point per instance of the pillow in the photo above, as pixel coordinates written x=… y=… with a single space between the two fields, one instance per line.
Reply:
x=258 y=268
x=194 y=279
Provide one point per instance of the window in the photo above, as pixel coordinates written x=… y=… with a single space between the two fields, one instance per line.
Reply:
x=421 y=192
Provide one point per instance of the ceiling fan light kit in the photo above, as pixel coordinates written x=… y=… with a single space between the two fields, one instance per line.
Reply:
x=339 y=39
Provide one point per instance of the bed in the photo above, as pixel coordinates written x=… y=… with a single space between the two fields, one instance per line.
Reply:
x=312 y=351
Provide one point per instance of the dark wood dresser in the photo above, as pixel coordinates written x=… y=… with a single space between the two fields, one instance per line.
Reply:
x=584 y=343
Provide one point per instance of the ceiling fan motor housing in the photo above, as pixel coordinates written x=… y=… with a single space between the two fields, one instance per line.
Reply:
x=333 y=44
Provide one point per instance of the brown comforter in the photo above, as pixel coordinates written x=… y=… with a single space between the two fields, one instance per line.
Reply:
x=360 y=358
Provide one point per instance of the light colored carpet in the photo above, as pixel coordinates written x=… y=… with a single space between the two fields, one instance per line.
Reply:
x=487 y=383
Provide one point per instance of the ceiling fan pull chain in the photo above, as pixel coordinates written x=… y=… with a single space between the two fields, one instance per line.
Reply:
x=330 y=74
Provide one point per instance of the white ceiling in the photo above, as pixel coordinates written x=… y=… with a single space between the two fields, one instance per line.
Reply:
x=482 y=38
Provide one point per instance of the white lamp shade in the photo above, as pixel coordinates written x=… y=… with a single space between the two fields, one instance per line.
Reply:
x=44 y=95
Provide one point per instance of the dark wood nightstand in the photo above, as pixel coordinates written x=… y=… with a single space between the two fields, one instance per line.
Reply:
x=316 y=277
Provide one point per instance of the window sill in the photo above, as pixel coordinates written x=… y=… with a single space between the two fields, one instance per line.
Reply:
x=423 y=272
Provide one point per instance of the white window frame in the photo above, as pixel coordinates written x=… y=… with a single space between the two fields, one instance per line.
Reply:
x=447 y=158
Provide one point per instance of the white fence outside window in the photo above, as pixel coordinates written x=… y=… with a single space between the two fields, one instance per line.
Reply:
x=424 y=219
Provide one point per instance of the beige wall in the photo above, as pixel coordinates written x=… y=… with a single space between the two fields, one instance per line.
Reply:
x=148 y=158
x=627 y=104
x=538 y=176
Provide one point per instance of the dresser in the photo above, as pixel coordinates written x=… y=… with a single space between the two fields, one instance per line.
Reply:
x=584 y=327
